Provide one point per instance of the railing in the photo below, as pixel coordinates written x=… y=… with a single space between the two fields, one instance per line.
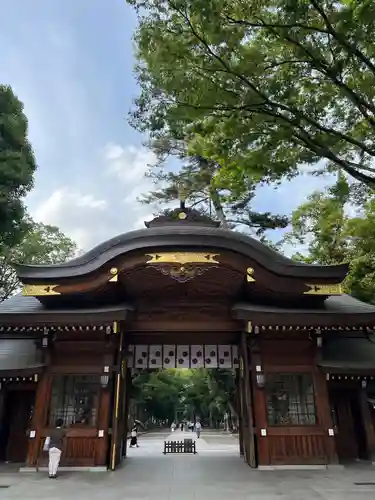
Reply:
x=185 y=446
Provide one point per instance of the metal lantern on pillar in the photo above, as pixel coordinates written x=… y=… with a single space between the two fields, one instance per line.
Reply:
x=104 y=378
x=260 y=377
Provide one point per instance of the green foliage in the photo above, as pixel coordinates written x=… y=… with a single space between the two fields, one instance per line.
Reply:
x=17 y=167
x=261 y=87
x=361 y=279
x=195 y=180
x=42 y=244
x=204 y=393
x=159 y=392
x=337 y=226
x=320 y=226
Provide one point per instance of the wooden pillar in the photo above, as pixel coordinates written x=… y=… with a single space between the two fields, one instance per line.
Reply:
x=239 y=410
x=251 y=458
x=244 y=427
x=367 y=424
x=115 y=445
x=128 y=382
x=122 y=411
x=41 y=406
x=104 y=414
x=260 y=409
x=103 y=425
x=115 y=451
x=323 y=410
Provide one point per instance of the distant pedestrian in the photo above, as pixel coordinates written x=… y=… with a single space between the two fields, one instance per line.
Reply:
x=198 y=427
x=181 y=426
x=54 y=445
x=173 y=427
x=134 y=437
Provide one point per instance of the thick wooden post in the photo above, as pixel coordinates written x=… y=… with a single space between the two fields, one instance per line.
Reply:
x=244 y=426
x=113 y=461
x=251 y=459
x=128 y=382
x=42 y=399
x=239 y=410
x=260 y=409
x=115 y=455
x=323 y=409
x=367 y=424
x=103 y=425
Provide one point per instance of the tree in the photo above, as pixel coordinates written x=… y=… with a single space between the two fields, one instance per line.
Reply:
x=361 y=279
x=320 y=226
x=194 y=180
x=17 y=167
x=337 y=226
x=261 y=87
x=158 y=392
x=197 y=392
x=42 y=244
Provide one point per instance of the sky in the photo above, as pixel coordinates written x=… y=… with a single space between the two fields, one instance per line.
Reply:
x=71 y=63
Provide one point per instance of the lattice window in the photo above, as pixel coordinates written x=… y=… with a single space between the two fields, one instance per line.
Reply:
x=75 y=399
x=290 y=399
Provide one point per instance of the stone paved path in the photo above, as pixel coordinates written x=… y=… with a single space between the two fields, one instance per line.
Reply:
x=216 y=473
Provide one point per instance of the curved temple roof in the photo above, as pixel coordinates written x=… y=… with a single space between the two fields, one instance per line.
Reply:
x=182 y=228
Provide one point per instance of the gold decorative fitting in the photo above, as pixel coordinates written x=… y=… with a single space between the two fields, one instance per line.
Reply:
x=249 y=275
x=335 y=289
x=114 y=273
x=182 y=274
x=39 y=290
x=115 y=327
x=182 y=258
x=182 y=215
x=249 y=327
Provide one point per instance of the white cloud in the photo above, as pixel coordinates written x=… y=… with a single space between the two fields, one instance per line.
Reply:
x=90 y=219
x=81 y=216
x=129 y=164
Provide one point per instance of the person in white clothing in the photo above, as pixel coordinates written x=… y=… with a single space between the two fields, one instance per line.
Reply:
x=55 y=446
x=198 y=427
x=134 y=437
x=173 y=427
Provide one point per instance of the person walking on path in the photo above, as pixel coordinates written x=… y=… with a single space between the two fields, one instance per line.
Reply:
x=173 y=427
x=198 y=427
x=134 y=437
x=55 y=446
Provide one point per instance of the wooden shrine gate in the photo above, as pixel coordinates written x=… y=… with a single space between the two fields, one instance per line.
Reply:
x=185 y=293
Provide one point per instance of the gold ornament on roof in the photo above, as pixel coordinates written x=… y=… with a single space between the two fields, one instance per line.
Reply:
x=183 y=258
x=114 y=275
x=39 y=290
x=332 y=289
x=249 y=275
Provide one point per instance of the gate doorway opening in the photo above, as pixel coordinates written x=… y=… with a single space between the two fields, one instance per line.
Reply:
x=176 y=404
x=177 y=398
x=168 y=388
